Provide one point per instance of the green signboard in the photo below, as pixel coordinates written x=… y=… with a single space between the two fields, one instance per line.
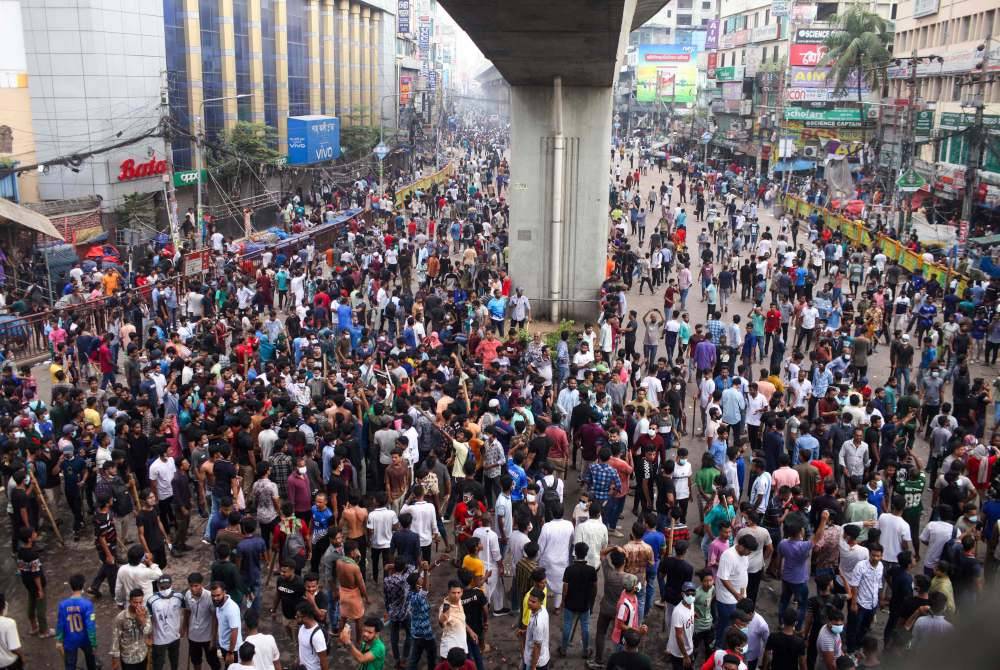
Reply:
x=726 y=73
x=807 y=114
x=956 y=121
x=189 y=177
x=910 y=181
x=925 y=123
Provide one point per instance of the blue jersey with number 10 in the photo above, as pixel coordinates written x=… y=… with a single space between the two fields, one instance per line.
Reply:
x=77 y=626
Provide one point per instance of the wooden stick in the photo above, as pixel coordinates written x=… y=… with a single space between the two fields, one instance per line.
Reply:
x=135 y=492
x=45 y=506
x=670 y=540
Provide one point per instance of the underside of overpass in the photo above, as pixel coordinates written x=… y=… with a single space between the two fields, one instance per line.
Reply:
x=560 y=156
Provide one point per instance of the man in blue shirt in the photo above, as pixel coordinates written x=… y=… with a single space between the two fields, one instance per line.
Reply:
x=76 y=629
x=228 y=622
x=497 y=307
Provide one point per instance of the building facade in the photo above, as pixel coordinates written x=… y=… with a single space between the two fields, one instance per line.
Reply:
x=94 y=75
x=965 y=34
x=17 y=136
x=288 y=57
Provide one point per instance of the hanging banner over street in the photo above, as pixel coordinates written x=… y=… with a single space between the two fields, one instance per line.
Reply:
x=817 y=77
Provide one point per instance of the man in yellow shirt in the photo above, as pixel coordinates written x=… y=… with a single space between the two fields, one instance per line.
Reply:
x=111 y=280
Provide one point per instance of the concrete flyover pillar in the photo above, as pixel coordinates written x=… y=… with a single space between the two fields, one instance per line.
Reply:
x=344 y=63
x=356 y=64
x=586 y=125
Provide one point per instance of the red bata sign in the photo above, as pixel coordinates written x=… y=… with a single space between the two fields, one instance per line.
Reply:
x=130 y=170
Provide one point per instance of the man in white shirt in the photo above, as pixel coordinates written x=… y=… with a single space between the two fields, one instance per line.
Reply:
x=680 y=630
x=266 y=655
x=895 y=532
x=594 y=534
x=311 y=639
x=936 y=534
x=865 y=583
x=380 y=525
x=161 y=473
x=536 y=637
x=732 y=576
x=424 y=520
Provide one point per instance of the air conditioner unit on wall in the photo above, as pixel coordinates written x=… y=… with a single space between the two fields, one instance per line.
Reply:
x=810 y=151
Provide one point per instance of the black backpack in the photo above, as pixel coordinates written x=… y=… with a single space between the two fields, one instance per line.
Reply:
x=550 y=495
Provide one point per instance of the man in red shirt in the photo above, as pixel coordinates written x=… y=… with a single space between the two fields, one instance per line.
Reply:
x=105 y=362
x=772 y=324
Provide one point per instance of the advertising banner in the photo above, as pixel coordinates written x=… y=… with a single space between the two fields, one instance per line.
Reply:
x=779 y=8
x=405 y=90
x=741 y=37
x=952 y=64
x=826 y=95
x=765 y=33
x=313 y=139
x=189 y=177
x=816 y=77
x=729 y=73
x=712 y=35
x=812 y=35
x=806 y=55
x=666 y=73
x=713 y=63
x=805 y=114
x=403 y=17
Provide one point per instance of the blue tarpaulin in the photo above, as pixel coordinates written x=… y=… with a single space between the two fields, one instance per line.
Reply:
x=795 y=165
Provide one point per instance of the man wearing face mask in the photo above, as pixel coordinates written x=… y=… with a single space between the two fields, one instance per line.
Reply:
x=680 y=640
x=165 y=607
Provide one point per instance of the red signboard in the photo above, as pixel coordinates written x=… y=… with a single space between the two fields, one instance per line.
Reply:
x=713 y=62
x=807 y=55
x=129 y=169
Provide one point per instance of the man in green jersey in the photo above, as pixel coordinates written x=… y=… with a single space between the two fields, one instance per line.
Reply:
x=911 y=481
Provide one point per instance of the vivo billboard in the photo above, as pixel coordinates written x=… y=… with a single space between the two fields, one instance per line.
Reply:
x=313 y=139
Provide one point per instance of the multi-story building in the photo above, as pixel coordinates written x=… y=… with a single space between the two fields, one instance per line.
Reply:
x=17 y=136
x=965 y=35
x=97 y=72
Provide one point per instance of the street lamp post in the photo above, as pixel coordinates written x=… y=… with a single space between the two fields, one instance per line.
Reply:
x=198 y=139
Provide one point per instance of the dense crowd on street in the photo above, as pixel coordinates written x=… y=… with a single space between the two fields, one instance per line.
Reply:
x=327 y=434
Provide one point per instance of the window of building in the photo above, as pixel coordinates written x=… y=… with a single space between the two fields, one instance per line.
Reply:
x=743 y=56
x=988 y=23
x=767 y=16
x=756 y=19
x=241 y=30
x=684 y=4
x=963 y=30
x=705 y=22
x=825 y=10
x=706 y=5
x=270 y=63
x=684 y=19
x=211 y=66
x=298 y=62
x=774 y=53
x=177 y=79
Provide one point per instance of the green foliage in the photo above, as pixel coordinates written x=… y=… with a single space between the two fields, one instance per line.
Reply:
x=252 y=143
x=552 y=339
x=358 y=141
x=136 y=210
x=860 y=43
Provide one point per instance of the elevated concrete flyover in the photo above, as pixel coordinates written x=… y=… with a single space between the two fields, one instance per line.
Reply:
x=561 y=58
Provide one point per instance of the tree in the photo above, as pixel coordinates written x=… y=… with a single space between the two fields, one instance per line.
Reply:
x=358 y=141
x=135 y=211
x=247 y=143
x=859 y=44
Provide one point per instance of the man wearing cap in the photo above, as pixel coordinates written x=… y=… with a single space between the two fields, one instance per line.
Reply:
x=680 y=635
x=165 y=609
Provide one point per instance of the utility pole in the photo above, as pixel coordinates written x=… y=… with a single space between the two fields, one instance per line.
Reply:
x=906 y=146
x=976 y=136
x=169 y=176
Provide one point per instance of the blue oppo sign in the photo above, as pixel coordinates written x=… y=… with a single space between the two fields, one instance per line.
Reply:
x=313 y=139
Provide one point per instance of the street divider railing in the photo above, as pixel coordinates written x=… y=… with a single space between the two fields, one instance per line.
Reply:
x=858 y=232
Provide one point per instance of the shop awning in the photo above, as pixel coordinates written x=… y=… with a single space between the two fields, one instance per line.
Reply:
x=23 y=216
x=795 y=165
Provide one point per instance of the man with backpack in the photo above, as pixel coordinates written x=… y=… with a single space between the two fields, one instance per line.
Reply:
x=291 y=538
x=312 y=650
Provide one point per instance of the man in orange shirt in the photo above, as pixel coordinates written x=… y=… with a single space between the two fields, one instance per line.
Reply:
x=487 y=349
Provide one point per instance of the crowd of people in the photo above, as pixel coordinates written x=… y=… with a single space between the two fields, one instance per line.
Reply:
x=327 y=435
